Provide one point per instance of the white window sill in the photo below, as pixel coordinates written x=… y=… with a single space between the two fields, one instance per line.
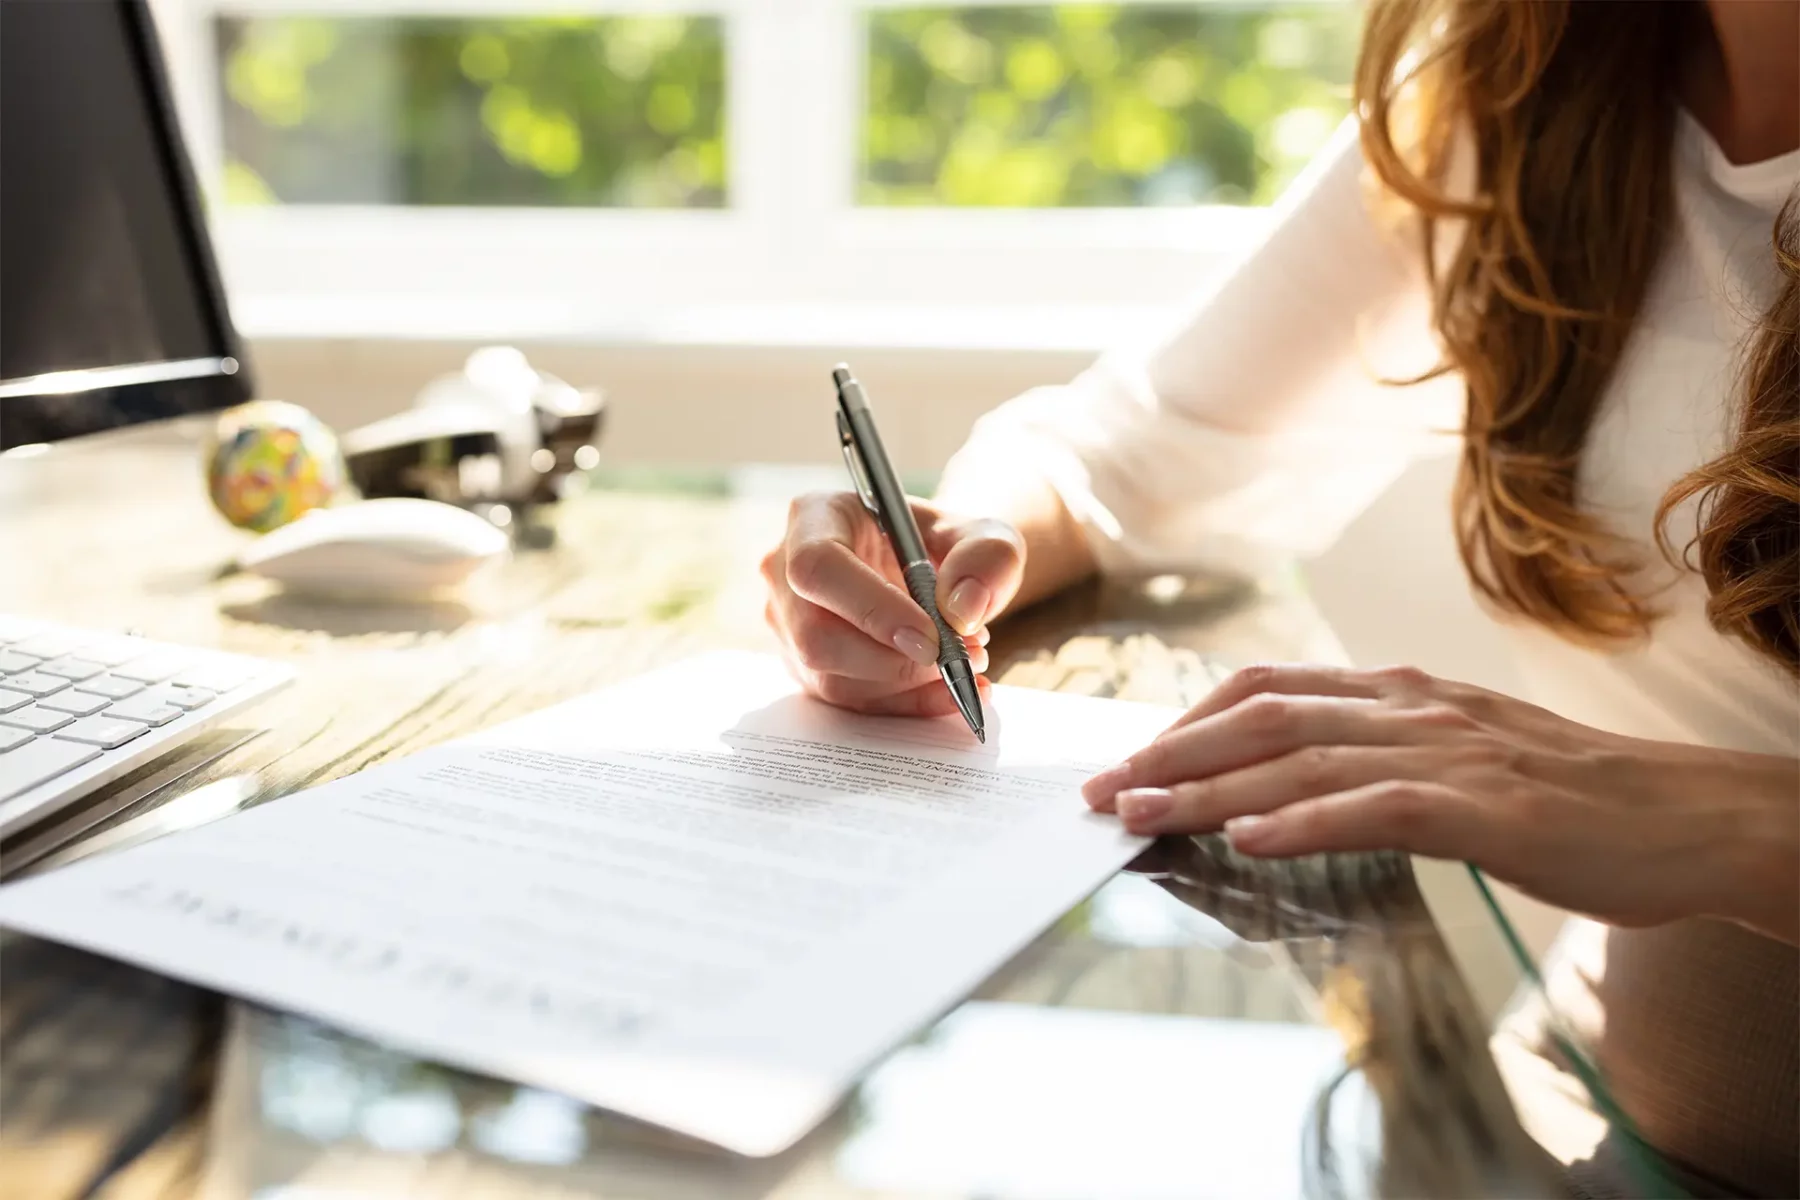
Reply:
x=1012 y=329
x=1063 y=281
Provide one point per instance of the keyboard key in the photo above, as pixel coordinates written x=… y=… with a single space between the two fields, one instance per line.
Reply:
x=186 y=698
x=33 y=683
x=216 y=676
x=10 y=700
x=11 y=738
x=82 y=704
x=53 y=643
x=110 y=686
x=146 y=709
x=154 y=668
x=117 y=651
x=71 y=668
x=12 y=662
x=36 y=718
x=105 y=732
x=39 y=760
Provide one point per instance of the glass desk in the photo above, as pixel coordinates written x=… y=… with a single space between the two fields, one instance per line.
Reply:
x=1202 y=1026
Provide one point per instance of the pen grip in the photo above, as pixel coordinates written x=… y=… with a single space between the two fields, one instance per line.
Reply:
x=921 y=581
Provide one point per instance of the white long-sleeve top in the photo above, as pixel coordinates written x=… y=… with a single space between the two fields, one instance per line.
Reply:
x=1259 y=428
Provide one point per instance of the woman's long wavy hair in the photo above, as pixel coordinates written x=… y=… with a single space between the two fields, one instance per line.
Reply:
x=1566 y=112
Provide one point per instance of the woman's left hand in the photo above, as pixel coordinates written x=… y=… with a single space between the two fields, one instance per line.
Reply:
x=1300 y=759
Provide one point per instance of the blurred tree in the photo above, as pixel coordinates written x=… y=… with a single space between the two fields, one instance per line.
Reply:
x=1069 y=104
x=1100 y=104
x=609 y=111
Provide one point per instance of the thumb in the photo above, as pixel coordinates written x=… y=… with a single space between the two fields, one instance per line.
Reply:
x=980 y=574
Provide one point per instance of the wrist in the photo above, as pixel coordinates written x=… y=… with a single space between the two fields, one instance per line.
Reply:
x=1760 y=879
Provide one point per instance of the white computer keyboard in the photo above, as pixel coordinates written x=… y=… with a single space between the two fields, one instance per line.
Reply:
x=79 y=708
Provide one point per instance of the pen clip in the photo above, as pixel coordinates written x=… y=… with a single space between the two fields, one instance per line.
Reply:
x=859 y=473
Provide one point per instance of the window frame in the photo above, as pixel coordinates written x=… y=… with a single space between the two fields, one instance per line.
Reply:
x=791 y=240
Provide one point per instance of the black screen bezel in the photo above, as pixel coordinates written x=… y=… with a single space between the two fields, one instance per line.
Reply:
x=60 y=415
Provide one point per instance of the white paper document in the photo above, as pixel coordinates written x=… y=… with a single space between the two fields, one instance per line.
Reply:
x=699 y=898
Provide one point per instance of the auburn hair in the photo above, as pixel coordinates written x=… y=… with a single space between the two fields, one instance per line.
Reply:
x=1519 y=126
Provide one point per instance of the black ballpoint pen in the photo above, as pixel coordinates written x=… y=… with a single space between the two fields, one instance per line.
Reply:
x=883 y=496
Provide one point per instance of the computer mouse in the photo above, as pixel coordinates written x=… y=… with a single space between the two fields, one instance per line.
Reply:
x=381 y=548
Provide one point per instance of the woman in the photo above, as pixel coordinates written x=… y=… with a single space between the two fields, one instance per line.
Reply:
x=1569 y=208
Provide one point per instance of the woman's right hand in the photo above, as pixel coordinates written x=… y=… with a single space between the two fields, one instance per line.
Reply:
x=851 y=634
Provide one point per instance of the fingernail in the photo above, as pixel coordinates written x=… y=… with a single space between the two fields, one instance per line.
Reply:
x=1102 y=789
x=1246 y=833
x=1142 y=808
x=966 y=605
x=915 y=645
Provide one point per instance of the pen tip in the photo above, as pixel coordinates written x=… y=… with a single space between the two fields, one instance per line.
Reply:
x=981 y=736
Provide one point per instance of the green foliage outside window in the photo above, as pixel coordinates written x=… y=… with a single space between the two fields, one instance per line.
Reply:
x=1100 y=104
x=607 y=111
x=1035 y=106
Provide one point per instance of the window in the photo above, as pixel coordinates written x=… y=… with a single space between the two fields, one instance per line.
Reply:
x=1099 y=105
x=601 y=164
x=604 y=111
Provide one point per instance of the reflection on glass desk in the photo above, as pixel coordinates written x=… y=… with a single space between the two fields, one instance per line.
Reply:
x=1206 y=1027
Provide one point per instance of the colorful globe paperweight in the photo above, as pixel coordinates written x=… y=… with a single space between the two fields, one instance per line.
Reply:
x=270 y=462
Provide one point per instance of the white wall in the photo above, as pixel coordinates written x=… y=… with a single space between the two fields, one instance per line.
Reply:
x=694 y=404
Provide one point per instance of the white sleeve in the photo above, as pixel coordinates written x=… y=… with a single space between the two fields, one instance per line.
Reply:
x=1259 y=429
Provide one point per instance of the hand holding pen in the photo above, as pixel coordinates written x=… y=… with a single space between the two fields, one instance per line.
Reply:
x=852 y=634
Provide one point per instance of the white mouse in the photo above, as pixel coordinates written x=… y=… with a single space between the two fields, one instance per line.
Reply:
x=390 y=547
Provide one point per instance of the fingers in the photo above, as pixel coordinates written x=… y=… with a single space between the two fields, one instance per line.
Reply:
x=1261 y=728
x=852 y=636
x=1416 y=818
x=826 y=644
x=1204 y=805
x=926 y=700
x=931 y=700
x=981 y=565
x=823 y=643
x=822 y=567
x=1284 y=679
